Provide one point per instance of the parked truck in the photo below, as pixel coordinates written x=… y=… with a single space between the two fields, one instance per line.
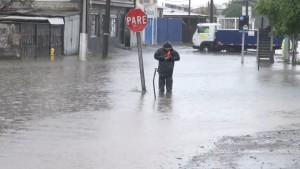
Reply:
x=208 y=37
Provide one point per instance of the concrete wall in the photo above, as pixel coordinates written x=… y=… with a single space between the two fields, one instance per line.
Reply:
x=57 y=5
x=47 y=5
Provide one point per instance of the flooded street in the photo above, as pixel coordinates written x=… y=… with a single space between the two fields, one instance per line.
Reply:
x=71 y=114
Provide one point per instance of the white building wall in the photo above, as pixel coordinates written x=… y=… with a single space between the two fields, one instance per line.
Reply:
x=151 y=11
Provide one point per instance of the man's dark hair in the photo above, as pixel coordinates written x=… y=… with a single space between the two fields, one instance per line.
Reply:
x=167 y=45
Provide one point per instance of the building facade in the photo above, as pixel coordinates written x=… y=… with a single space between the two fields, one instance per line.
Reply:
x=149 y=35
x=119 y=34
x=30 y=29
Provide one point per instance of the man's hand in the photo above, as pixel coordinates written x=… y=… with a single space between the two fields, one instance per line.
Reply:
x=168 y=55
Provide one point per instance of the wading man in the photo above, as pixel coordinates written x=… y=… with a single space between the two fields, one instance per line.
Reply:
x=166 y=57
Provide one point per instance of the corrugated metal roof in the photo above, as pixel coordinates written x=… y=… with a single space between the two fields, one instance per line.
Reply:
x=56 y=21
x=120 y=3
x=52 y=13
x=52 y=21
x=175 y=12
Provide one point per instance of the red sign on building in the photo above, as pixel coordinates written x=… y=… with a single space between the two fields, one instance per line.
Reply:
x=136 y=20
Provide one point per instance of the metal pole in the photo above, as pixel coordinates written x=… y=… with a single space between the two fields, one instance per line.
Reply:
x=139 y=43
x=293 y=51
x=246 y=7
x=83 y=34
x=189 y=7
x=106 y=29
x=257 y=50
x=84 y=16
x=211 y=11
x=243 y=47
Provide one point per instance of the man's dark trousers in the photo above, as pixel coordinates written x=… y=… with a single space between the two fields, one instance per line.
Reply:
x=168 y=81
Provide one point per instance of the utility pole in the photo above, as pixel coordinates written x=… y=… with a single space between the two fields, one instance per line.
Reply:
x=83 y=34
x=189 y=15
x=247 y=7
x=211 y=11
x=189 y=7
x=106 y=29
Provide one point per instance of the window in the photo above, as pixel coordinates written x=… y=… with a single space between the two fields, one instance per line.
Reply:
x=113 y=26
x=94 y=25
x=203 y=29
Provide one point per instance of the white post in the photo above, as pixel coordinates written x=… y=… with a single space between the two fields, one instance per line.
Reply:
x=83 y=46
x=287 y=48
x=243 y=47
x=235 y=24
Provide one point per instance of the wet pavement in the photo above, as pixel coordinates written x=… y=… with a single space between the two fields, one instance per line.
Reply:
x=92 y=115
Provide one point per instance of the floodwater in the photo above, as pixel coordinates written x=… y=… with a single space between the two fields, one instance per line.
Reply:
x=72 y=114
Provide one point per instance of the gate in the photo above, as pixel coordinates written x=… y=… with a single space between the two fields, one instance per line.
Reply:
x=148 y=32
x=169 y=29
x=38 y=39
x=28 y=47
x=42 y=40
x=56 y=39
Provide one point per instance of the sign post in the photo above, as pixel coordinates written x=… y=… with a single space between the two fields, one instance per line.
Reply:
x=136 y=20
x=243 y=27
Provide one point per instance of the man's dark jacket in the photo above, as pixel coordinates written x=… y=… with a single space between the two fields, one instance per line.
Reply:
x=165 y=67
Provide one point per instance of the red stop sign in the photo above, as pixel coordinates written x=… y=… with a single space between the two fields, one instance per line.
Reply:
x=136 y=20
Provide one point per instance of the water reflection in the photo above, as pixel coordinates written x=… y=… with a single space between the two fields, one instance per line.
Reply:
x=141 y=102
x=165 y=102
x=265 y=63
x=34 y=89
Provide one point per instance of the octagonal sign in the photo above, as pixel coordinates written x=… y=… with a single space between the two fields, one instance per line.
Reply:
x=136 y=20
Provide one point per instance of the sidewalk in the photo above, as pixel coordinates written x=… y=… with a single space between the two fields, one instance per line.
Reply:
x=264 y=150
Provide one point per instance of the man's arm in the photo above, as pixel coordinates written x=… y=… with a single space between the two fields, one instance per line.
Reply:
x=158 y=55
x=175 y=56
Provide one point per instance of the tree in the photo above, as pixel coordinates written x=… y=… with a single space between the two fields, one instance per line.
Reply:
x=18 y=3
x=284 y=16
x=233 y=10
x=234 y=7
x=5 y=3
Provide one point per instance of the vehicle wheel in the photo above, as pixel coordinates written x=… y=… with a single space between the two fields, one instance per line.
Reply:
x=230 y=50
x=206 y=48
